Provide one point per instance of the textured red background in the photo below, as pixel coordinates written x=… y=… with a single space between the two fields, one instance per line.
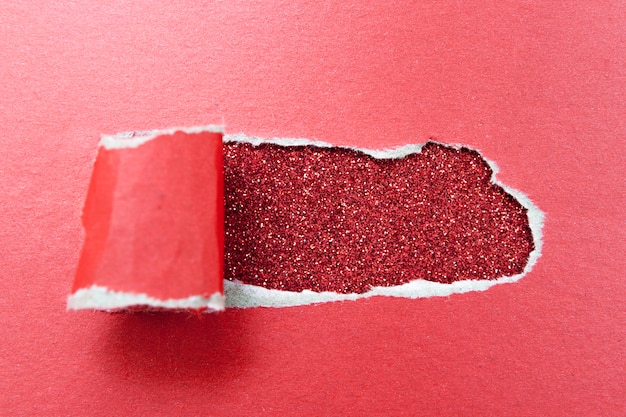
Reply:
x=537 y=87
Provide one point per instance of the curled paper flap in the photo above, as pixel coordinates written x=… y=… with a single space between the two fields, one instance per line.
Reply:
x=153 y=221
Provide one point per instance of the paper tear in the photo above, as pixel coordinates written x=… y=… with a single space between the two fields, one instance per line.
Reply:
x=102 y=298
x=129 y=140
x=241 y=295
x=238 y=294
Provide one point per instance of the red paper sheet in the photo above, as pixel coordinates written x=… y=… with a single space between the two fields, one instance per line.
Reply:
x=537 y=87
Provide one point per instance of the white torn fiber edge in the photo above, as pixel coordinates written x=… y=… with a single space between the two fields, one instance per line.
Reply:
x=138 y=138
x=243 y=295
x=101 y=298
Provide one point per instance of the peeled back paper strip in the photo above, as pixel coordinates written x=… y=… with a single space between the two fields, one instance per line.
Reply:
x=154 y=223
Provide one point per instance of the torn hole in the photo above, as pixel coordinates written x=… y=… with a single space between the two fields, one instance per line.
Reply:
x=306 y=222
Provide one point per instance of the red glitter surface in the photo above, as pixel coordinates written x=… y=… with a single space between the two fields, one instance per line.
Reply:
x=335 y=219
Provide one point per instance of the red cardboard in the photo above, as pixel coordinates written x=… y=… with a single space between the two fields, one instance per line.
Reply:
x=536 y=86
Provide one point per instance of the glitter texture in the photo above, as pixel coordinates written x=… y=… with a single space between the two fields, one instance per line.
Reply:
x=335 y=219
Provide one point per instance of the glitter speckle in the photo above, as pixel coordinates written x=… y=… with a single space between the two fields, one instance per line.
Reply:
x=334 y=219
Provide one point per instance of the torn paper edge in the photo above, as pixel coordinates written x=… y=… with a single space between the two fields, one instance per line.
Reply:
x=138 y=138
x=101 y=298
x=243 y=295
